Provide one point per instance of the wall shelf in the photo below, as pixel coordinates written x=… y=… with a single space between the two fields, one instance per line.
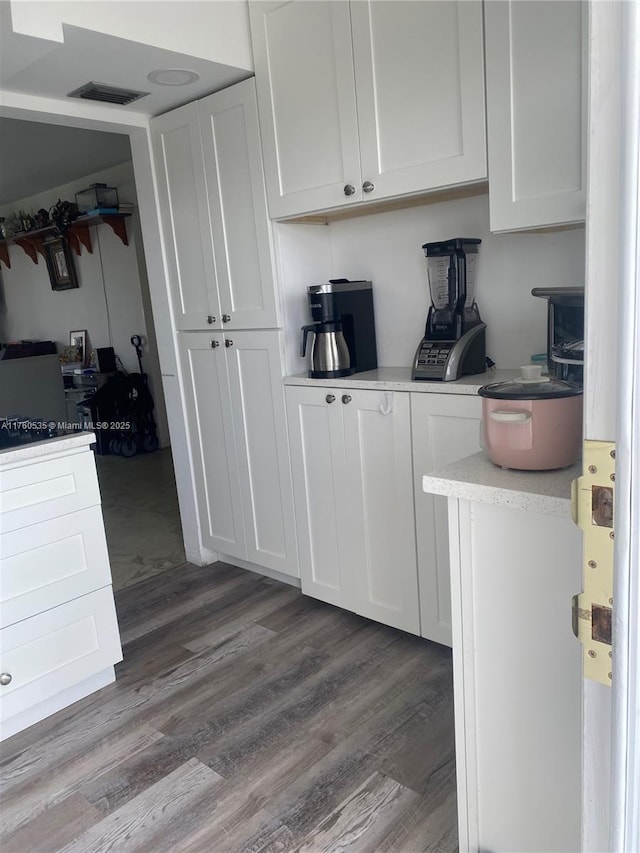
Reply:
x=78 y=235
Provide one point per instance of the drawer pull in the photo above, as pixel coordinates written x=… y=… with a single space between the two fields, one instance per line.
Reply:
x=346 y=398
x=330 y=398
x=5 y=678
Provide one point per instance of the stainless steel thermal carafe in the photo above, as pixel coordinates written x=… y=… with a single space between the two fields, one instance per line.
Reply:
x=329 y=354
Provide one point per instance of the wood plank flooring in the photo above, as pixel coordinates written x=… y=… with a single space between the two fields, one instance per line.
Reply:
x=244 y=717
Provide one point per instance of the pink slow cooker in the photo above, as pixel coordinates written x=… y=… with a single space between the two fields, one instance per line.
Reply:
x=532 y=423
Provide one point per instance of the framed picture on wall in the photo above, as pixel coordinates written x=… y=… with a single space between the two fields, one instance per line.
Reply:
x=78 y=342
x=62 y=272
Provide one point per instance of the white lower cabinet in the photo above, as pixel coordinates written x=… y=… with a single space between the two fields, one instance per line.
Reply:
x=238 y=435
x=517 y=671
x=445 y=428
x=351 y=460
x=53 y=651
x=59 y=638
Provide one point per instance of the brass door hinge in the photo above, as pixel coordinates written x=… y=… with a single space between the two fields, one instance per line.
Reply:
x=592 y=500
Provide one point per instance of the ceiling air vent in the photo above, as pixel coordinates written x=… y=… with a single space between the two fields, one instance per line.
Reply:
x=106 y=94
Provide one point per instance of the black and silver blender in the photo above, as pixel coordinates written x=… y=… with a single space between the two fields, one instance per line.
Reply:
x=454 y=337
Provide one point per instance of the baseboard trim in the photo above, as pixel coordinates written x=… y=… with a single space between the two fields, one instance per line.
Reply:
x=259 y=570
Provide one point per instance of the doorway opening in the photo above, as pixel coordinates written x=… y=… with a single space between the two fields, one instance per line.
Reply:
x=111 y=305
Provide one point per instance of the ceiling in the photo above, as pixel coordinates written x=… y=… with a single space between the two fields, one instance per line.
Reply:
x=35 y=156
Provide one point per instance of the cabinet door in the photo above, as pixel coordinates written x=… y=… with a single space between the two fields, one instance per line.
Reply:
x=306 y=99
x=518 y=690
x=185 y=218
x=240 y=227
x=212 y=442
x=320 y=485
x=536 y=112
x=51 y=562
x=380 y=540
x=420 y=94
x=55 y=650
x=257 y=395
x=54 y=487
x=445 y=428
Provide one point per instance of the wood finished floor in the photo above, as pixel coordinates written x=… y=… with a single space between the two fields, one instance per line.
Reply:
x=245 y=717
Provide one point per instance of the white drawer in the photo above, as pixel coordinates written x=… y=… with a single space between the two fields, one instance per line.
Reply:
x=55 y=650
x=47 y=488
x=49 y=563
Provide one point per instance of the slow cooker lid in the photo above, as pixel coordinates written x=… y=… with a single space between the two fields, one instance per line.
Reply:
x=522 y=389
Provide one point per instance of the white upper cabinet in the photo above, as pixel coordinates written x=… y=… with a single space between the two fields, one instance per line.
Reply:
x=307 y=103
x=216 y=227
x=536 y=112
x=185 y=221
x=240 y=226
x=367 y=100
x=420 y=93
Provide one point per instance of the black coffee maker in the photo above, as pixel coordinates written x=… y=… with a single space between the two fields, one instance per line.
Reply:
x=344 y=334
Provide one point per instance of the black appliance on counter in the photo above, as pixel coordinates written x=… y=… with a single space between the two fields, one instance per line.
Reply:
x=27 y=349
x=454 y=337
x=344 y=332
x=565 y=332
x=19 y=431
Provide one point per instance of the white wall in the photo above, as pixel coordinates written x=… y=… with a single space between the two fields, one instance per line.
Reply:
x=109 y=300
x=387 y=249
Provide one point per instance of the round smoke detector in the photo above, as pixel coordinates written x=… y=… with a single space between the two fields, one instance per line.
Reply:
x=173 y=77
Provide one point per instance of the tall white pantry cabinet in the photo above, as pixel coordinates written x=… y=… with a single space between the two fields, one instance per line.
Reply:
x=219 y=247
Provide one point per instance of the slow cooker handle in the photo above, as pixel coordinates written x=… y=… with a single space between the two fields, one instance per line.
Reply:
x=512 y=417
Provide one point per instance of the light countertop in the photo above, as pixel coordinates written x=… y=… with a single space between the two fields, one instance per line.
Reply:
x=399 y=379
x=476 y=478
x=38 y=449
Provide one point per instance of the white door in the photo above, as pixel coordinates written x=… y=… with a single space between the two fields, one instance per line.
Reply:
x=306 y=100
x=212 y=441
x=380 y=546
x=420 y=94
x=257 y=396
x=445 y=428
x=320 y=489
x=240 y=227
x=611 y=766
x=185 y=218
x=536 y=112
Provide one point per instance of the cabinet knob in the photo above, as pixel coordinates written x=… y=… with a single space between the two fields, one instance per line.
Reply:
x=330 y=398
x=215 y=344
x=226 y=318
x=228 y=343
x=368 y=187
x=5 y=678
x=210 y=319
x=349 y=189
x=346 y=398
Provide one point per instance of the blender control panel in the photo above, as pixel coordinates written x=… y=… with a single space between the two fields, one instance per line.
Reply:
x=431 y=359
